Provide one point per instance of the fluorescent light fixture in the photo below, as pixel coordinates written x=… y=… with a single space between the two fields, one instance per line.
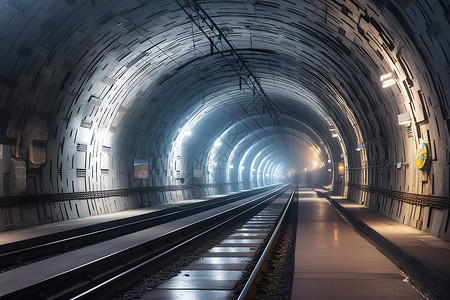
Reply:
x=388 y=83
x=335 y=135
x=388 y=79
x=341 y=168
x=385 y=76
x=231 y=166
x=404 y=119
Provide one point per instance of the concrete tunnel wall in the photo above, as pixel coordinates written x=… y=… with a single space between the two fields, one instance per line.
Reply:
x=87 y=86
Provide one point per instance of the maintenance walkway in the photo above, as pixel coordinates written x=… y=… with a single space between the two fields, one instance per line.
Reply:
x=337 y=260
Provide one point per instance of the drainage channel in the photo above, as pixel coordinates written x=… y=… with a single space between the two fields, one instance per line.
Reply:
x=216 y=273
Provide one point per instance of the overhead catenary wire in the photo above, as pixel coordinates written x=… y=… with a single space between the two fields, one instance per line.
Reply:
x=237 y=62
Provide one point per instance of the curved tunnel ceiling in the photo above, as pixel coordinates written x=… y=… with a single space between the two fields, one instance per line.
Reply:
x=86 y=86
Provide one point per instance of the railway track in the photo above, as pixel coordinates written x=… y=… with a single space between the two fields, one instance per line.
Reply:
x=224 y=268
x=19 y=253
x=250 y=289
x=104 y=276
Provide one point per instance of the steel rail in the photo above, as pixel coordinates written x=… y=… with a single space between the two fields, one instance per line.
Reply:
x=106 y=289
x=96 y=276
x=249 y=290
x=62 y=242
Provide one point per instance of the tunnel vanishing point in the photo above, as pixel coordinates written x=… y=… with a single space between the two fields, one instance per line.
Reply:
x=108 y=105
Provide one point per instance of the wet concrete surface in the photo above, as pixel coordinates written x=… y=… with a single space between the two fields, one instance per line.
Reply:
x=333 y=261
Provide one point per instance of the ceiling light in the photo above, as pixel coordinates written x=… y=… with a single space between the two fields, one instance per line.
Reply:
x=388 y=79
x=388 y=83
x=385 y=76
x=404 y=119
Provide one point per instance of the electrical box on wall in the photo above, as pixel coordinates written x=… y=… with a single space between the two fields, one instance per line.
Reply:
x=18 y=177
x=2 y=171
x=198 y=173
x=140 y=168
x=424 y=176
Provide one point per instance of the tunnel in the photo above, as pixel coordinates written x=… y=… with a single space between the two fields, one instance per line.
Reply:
x=109 y=105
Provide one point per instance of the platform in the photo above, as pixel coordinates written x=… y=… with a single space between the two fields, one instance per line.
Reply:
x=420 y=253
x=333 y=261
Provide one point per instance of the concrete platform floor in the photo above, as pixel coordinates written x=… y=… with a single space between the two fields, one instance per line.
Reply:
x=426 y=256
x=333 y=261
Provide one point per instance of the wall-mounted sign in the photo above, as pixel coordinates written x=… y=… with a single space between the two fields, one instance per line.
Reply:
x=140 y=167
x=423 y=156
